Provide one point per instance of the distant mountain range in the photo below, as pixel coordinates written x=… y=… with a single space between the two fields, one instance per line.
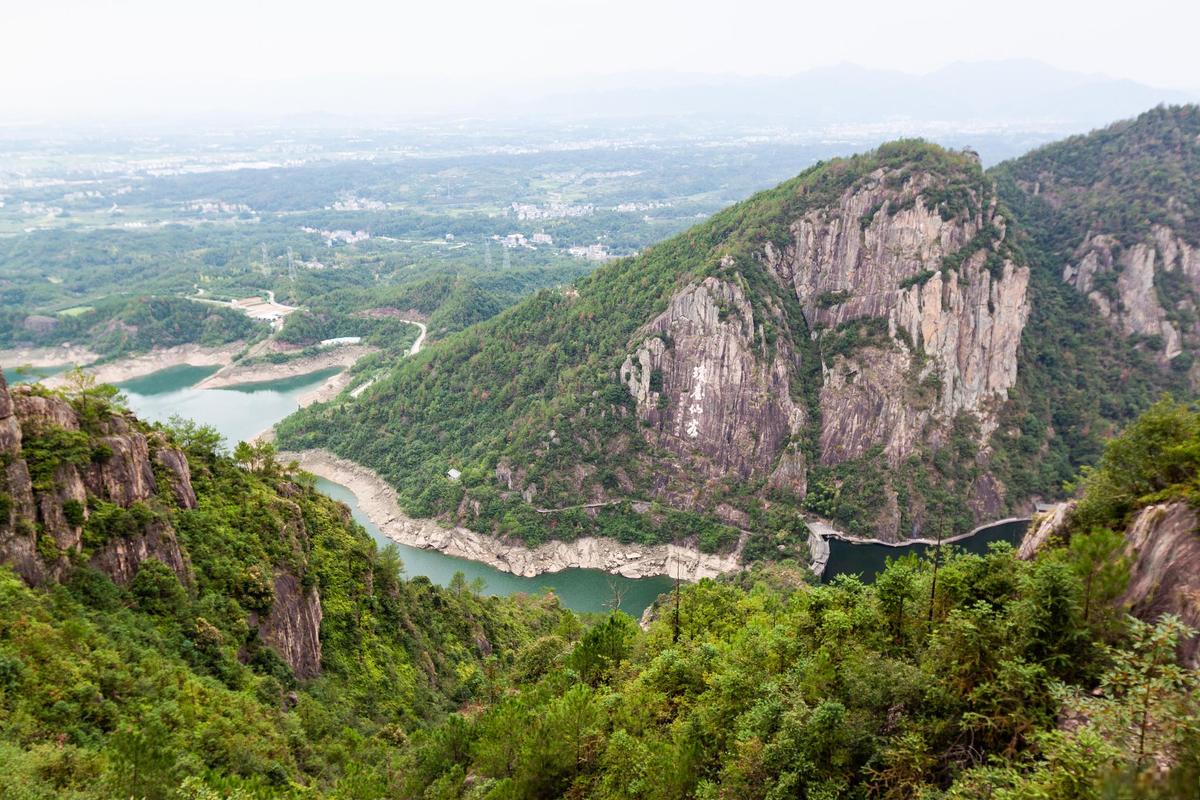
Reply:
x=1012 y=93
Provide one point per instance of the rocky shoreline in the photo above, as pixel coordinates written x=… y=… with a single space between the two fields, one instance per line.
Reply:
x=236 y=374
x=41 y=357
x=137 y=366
x=378 y=501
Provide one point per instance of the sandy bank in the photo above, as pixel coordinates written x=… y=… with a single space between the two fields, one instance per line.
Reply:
x=235 y=374
x=130 y=367
x=63 y=356
x=328 y=390
x=378 y=501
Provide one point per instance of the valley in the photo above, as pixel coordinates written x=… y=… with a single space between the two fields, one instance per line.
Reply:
x=824 y=436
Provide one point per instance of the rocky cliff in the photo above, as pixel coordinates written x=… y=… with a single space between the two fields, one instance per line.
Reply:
x=82 y=481
x=706 y=386
x=952 y=299
x=904 y=297
x=1117 y=215
x=1162 y=543
x=1147 y=289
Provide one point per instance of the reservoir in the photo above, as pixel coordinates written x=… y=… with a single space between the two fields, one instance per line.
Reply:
x=240 y=412
x=868 y=560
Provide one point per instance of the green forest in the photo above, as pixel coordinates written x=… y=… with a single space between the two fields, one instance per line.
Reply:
x=122 y=325
x=951 y=676
x=492 y=395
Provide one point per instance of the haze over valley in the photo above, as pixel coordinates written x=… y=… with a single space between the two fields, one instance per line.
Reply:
x=578 y=400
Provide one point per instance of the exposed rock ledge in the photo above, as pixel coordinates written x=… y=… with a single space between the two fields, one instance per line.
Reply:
x=378 y=501
x=121 y=369
x=235 y=374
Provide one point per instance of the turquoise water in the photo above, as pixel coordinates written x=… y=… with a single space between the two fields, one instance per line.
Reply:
x=579 y=589
x=238 y=412
x=242 y=411
x=868 y=560
x=15 y=375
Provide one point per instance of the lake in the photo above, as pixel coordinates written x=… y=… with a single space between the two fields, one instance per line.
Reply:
x=242 y=411
x=868 y=560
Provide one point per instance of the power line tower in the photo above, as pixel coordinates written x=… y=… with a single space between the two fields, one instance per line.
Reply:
x=291 y=267
x=507 y=259
x=266 y=265
x=487 y=253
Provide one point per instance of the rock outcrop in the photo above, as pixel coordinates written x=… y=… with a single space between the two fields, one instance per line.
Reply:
x=1129 y=286
x=705 y=387
x=952 y=332
x=293 y=626
x=916 y=310
x=120 y=558
x=120 y=471
x=1162 y=543
x=41 y=527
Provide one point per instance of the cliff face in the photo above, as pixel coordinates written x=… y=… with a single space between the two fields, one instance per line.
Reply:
x=952 y=333
x=912 y=303
x=1117 y=213
x=1147 y=289
x=1162 y=543
x=293 y=626
x=58 y=470
x=706 y=388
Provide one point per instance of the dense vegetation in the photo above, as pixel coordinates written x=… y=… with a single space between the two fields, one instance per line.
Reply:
x=162 y=689
x=535 y=389
x=1123 y=179
x=975 y=677
x=959 y=676
x=121 y=324
x=1078 y=383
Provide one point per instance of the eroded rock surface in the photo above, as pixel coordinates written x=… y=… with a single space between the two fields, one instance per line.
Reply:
x=917 y=312
x=713 y=395
x=1146 y=289
x=293 y=626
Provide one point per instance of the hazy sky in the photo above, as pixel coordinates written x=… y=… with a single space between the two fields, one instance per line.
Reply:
x=89 y=54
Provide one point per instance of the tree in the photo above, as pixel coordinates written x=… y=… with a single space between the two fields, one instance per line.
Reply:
x=157 y=590
x=1147 y=699
x=258 y=457
x=93 y=401
x=1097 y=558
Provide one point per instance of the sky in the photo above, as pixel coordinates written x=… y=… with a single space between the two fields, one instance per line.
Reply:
x=89 y=55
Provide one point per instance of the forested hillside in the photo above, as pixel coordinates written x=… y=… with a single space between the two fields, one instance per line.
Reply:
x=121 y=325
x=883 y=341
x=189 y=623
x=196 y=625
x=1117 y=215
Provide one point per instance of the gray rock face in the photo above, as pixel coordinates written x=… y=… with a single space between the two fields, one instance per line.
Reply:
x=712 y=396
x=125 y=477
x=120 y=558
x=1127 y=285
x=709 y=389
x=293 y=627
x=957 y=331
x=1163 y=542
x=176 y=464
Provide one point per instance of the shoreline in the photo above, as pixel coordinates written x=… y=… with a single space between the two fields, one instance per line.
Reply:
x=378 y=501
x=138 y=366
x=236 y=374
x=47 y=357
x=826 y=531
